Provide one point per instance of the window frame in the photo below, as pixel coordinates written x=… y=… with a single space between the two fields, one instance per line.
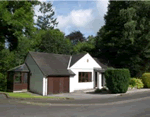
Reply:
x=16 y=75
x=84 y=77
x=24 y=80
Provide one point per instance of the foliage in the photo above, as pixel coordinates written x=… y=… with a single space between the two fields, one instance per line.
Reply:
x=76 y=37
x=124 y=41
x=24 y=46
x=134 y=82
x=2 y=82
x=146 y=80
x=7 y=61
x=117 y=80
x=16 y=19
x=83 y=47
x=100 y=90
x=46 y=20
x=54 y=41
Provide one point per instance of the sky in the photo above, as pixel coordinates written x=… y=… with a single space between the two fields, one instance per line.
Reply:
x=84 y=16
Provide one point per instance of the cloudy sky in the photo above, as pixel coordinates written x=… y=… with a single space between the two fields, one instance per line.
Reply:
x=85 y=16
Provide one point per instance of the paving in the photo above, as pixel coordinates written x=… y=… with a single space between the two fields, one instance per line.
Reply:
x=2 y=96
x=89 y=94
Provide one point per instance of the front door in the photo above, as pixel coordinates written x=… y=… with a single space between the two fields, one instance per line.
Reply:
x=95 y=84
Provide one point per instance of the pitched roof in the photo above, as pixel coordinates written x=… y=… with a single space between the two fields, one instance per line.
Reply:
x=19 y=68
x=101 y=64
x=52 y=64
x=75 y=58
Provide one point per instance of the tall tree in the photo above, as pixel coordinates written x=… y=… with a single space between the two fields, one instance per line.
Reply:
x=16 y=19
x=125 y=39
x=86 y=46
x=54 y=41
x=46 y=20
x=76 y=37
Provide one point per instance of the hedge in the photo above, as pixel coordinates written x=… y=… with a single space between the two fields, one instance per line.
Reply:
x=117 y=80
x=146 y=80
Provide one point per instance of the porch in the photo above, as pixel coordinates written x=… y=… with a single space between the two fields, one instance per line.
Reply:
x=99 y=78
x=18 y=79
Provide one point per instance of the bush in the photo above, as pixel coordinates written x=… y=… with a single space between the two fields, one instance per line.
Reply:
x=134 y=82
x=100 y=90
x=117 y=80
x=146 y=80
x=2 y=82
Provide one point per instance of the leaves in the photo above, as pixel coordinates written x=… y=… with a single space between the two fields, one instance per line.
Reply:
x=124 y=40
x=46 y=20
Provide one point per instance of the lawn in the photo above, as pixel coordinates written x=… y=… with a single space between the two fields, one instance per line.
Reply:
x=29 y=95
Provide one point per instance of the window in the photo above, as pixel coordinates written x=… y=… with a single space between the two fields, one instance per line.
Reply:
x=85 y=76
x=18 y=77
x=25 y=77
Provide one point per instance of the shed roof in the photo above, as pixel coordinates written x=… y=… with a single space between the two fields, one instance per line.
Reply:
x=20 y=68
x=52 y=64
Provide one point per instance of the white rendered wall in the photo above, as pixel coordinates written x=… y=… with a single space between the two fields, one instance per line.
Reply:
x=76 y=85
x=85 y=64
x=99 y=80
x=44 y=86
x=36 y=79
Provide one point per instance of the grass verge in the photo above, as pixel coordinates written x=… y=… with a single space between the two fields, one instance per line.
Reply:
x=31 y=96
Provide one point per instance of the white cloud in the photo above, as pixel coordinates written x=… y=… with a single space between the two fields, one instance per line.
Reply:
x=80 y=18
x=76 y=18
x=85 y=20
x=64 y=21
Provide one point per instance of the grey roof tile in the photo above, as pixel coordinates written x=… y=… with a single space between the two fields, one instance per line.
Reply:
x=19 y=68
x=52 y=64
x=75 y=58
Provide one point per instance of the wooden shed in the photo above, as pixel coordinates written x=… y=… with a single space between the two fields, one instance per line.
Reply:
x=18 y=78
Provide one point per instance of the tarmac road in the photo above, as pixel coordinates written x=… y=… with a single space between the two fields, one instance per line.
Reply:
x=130 y=105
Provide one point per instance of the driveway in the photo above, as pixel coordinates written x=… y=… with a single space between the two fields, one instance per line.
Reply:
x=88 y=94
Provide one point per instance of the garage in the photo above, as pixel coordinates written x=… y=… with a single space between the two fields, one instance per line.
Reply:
x=57 y=84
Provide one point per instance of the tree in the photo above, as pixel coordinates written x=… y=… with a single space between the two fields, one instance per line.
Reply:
x=125 y=39
x=86 y=46
x=16 y=19
x=7 y=61
x=46 y=20
x=24 y=46
x=76 y=37
x=54 y=41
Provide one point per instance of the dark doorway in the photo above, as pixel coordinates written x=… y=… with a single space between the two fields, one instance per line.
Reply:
x=95 y=79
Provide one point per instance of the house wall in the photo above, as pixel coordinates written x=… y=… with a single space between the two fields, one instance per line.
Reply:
x=99 y=80
x=36 y=77
x=85 y=64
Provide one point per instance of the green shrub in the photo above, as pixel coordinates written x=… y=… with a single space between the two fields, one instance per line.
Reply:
x=2 y=82
x=132 y=82
x=135 y=82
x=100 y=90
x=146 y=80
x=117 y=80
